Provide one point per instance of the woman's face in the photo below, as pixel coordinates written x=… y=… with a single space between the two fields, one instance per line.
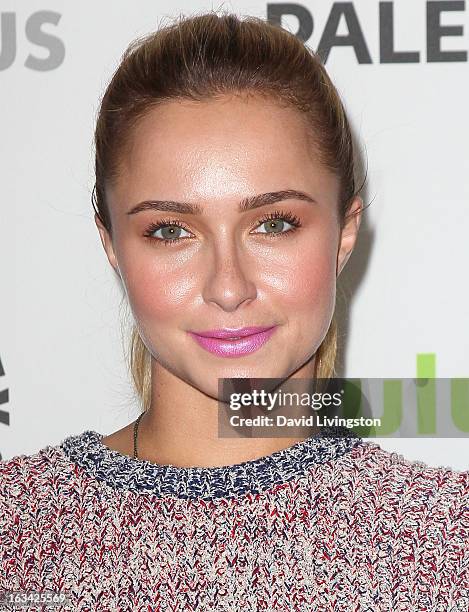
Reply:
x=222 y=266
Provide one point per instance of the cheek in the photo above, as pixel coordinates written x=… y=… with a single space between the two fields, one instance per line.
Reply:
x=156 y=293
x=307 y=285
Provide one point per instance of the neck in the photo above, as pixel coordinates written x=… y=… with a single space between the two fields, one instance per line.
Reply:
x=188 y=434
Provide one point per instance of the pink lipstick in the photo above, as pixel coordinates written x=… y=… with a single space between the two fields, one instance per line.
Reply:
x=233 y=342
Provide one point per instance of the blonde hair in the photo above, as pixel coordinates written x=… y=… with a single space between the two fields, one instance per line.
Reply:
x=202 y=57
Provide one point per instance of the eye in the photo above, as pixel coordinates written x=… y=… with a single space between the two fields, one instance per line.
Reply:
x=170 y=231
x=274 y=223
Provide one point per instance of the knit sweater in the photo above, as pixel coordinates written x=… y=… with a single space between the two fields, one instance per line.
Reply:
x=332 y=523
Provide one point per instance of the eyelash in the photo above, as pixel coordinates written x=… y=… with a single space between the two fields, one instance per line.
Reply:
x=278 y=214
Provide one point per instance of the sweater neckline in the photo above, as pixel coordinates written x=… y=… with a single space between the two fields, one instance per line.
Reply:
x=123 y=472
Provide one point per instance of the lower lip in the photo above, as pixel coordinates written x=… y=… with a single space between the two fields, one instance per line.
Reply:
x=234 y=348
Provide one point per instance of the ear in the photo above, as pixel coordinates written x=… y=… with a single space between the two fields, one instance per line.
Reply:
x=349 y=233
x=107 y=244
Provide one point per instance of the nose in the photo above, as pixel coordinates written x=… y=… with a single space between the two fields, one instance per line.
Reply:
x=228 y=283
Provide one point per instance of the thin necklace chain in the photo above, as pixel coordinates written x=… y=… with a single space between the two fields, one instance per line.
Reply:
x=136 y=424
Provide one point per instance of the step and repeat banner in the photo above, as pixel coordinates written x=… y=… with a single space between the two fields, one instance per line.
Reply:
x=402 y=71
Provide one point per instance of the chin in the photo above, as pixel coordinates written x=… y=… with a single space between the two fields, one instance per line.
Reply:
x=210 y=385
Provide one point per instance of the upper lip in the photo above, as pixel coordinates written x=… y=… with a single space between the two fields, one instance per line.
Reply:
x=227 y=332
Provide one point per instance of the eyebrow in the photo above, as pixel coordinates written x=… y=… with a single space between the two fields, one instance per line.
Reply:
x=249 y=203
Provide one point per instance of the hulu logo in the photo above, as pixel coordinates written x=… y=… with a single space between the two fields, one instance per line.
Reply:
x=429 y=418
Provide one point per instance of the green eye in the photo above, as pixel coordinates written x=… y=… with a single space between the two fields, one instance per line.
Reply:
x=169 y=232
x=275 y=223
x=274 y=226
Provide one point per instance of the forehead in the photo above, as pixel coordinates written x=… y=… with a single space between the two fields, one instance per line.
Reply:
x=229 y=147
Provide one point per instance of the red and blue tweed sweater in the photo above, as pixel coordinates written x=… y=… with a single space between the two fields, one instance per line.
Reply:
x=334 y=522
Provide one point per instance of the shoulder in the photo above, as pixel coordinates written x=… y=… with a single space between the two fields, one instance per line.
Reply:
x=399 y=469
x=35 y=467
x=418 y=518
x=418 y=500
x=44 y=499
x=26 y=477
x=395 y=475
x=38 y=483
x=29 y=503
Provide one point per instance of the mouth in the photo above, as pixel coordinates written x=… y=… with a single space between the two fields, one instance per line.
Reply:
x=232 y=333
x=233 y=342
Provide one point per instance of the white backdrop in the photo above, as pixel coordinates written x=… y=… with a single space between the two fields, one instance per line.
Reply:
x=60 y=349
